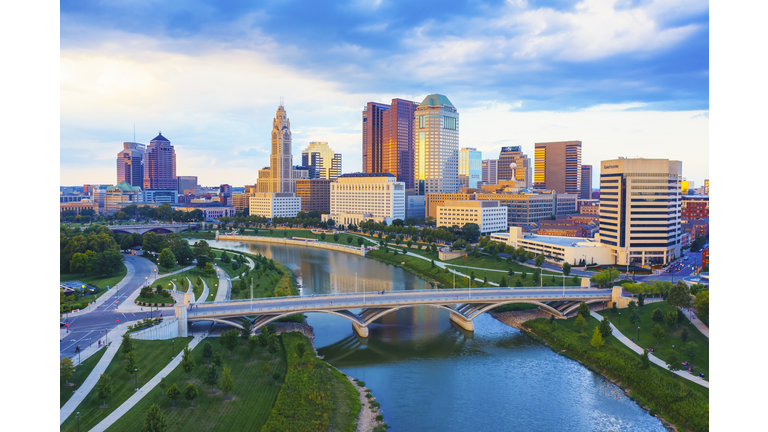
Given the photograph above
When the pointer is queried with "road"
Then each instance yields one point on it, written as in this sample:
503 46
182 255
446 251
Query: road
91 327
689 267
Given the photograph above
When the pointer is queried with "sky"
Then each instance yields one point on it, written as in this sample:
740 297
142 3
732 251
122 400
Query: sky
627 78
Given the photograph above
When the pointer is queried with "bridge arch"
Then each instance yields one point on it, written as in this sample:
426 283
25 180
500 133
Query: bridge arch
474 314
380 312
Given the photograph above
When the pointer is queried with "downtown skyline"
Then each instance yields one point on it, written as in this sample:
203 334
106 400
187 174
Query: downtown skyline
219 87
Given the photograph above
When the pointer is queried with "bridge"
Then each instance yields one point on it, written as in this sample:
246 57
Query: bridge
145 228
464 305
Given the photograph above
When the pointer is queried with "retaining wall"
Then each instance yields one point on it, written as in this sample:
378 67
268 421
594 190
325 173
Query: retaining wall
318 244
168 329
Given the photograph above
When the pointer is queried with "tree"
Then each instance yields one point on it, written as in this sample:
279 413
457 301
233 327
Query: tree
597 339
580 323
272 346
252 344
645 362
130 366
154 421
539 260
207 353
217 361
657 316
605 328
200 248
167 259
551 319
187 361
227 383
265 369
173 393
658 333
641 299
245 334
679 296
211 377
360 242
433 263
104 388
670 318
503 282
349 240
614 309
471 232
684 334
127 345
162 385
691 349
323 236
209 270
566 268
66 369
634 317
583 310
229 340
276 376
702 305
673 362
78 263
190 393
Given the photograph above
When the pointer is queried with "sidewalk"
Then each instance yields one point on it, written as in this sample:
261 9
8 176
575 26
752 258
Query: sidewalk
149 386
109 295
115 339
655 360
442 265
225 285
696 322
129 305
204 296
250 264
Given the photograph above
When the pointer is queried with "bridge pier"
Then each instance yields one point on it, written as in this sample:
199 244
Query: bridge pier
463 322
361 330
181 314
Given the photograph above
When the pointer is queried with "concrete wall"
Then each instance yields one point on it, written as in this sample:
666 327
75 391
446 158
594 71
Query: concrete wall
318 244
168 329
444 256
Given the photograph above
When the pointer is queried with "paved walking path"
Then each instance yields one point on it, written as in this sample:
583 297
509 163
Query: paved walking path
655 360
149 386
225 284
696 322
129 305
204 296
116 339
109 295
443 265
250 265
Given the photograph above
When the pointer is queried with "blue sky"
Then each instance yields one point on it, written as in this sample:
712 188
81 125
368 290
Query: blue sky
628 78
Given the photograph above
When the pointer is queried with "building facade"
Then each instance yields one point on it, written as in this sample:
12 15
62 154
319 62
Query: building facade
388 139
315 194
415 206
324 163
489 172
162 196
378 195
524 208
586 182
695 207
121 195
434 200
436 146
567 249
241 201
558 166
78 207
278 177
640 206
470 167
514 165
130 164
488 215
211 211
160 165
271 204
185 183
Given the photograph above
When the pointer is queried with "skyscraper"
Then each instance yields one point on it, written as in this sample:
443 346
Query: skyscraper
388 139
522 171
470 167
185 183
278 178
436 146
130 164
558 166
324 163
586 182
490 171
160 165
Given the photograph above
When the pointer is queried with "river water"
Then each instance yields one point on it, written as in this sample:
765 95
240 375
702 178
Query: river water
431 375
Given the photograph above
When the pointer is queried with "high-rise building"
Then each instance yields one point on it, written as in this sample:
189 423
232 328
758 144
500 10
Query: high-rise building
388 139
359 197
130 164
324 163
470 167
278 178
490 171
160 165
558 166
315 194
640 205
436 146
586 182
521 169
186 182
706 186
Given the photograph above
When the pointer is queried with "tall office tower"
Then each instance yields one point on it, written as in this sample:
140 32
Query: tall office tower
185 183
436 146
130 164
388 139
160 165
640 206
490 171
278 177
522 170
706 186
558 166
470 167
586 182
324 162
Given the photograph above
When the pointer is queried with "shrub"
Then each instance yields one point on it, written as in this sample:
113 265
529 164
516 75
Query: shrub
380 417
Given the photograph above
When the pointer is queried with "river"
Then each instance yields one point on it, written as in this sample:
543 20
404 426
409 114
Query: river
429 374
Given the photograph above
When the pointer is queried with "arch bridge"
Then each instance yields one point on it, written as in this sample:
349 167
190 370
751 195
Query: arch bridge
143 229
463 305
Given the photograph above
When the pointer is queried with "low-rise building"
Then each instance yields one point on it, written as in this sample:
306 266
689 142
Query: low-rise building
211 211
161 196
568 249
697 228
240 201
415 206
561 228
434 200
705 257
121 195
695 207
490 216
274 204
377 194
79 207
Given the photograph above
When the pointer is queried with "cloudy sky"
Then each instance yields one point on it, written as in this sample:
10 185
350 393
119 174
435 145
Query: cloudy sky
626 77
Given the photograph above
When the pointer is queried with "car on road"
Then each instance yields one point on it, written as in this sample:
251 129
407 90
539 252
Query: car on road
62 324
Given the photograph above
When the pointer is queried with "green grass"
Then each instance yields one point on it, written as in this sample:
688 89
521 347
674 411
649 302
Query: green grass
515 307
419 266
161 269
250 404
664 348
156 299
315 395
199 235
96 280
81 373
151 356
268 285
490 263
227 267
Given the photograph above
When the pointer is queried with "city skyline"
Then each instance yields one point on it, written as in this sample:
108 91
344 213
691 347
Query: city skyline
536 88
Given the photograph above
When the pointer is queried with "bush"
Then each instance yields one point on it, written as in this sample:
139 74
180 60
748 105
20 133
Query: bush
380 417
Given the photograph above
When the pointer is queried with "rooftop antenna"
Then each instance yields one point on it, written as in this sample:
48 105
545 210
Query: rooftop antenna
281 101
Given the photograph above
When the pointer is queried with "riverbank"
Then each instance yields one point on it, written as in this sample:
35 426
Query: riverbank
366 420
517 318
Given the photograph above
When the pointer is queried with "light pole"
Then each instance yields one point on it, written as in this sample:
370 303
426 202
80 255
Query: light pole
137 378
78 421
619 319
173 347
638 333
363 291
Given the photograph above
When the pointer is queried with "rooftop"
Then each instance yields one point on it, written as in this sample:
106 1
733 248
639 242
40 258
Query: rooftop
160 137
436 100
368 175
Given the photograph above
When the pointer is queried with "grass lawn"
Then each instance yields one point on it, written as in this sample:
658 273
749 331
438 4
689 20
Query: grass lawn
156 299
151 357
203 235
227 267
664 348
267 285
161 269
419 266
250 404
487 262
95 280
81 373
211 281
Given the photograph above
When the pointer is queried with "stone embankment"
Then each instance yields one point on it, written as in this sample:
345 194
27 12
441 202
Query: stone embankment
517 318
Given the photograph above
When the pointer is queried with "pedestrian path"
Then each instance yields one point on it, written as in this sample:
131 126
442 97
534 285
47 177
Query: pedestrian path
696 322
225 285
442 265
129 305
109 294
655 360
250 265
204 296
149 386
116 339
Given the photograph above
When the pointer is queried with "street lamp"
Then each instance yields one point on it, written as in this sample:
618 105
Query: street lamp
78 421
638 333
173 347
620 320
137 378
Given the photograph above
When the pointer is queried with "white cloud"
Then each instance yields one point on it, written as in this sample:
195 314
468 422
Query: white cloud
615 107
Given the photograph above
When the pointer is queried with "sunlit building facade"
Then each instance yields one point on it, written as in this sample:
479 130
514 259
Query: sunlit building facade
436 146
558 166
470 167
521 171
